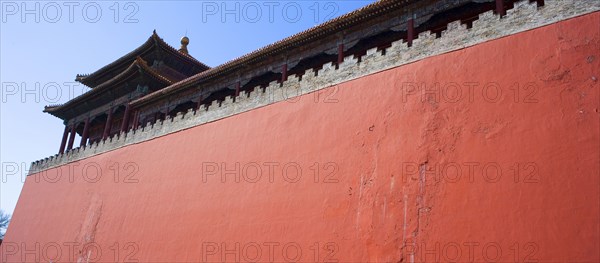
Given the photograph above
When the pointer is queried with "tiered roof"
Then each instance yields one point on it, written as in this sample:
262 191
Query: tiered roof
203 73
155 62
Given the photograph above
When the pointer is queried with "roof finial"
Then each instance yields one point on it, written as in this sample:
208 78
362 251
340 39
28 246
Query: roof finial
184 42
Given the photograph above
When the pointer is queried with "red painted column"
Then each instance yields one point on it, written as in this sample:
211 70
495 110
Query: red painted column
283 72
198 104
500 8
410 31
237 89
71 137
125 123
540 3
340 53
136 118
63 143
86 132
108 125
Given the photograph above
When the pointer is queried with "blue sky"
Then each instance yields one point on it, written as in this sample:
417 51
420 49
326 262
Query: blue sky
43 45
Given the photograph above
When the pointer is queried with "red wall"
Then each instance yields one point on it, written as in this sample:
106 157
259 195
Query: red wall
403 175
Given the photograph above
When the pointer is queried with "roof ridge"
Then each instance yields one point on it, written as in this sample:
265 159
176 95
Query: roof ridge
328 25
143 64
138 63
154 39
176 51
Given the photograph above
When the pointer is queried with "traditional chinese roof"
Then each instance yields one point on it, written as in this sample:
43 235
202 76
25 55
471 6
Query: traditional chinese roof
102 78
154 46
106 91
328 28
155 63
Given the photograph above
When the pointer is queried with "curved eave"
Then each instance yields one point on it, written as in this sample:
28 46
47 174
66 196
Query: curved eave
153 41
332 26
139 66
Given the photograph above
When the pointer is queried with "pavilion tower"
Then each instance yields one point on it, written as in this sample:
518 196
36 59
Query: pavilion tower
104 110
